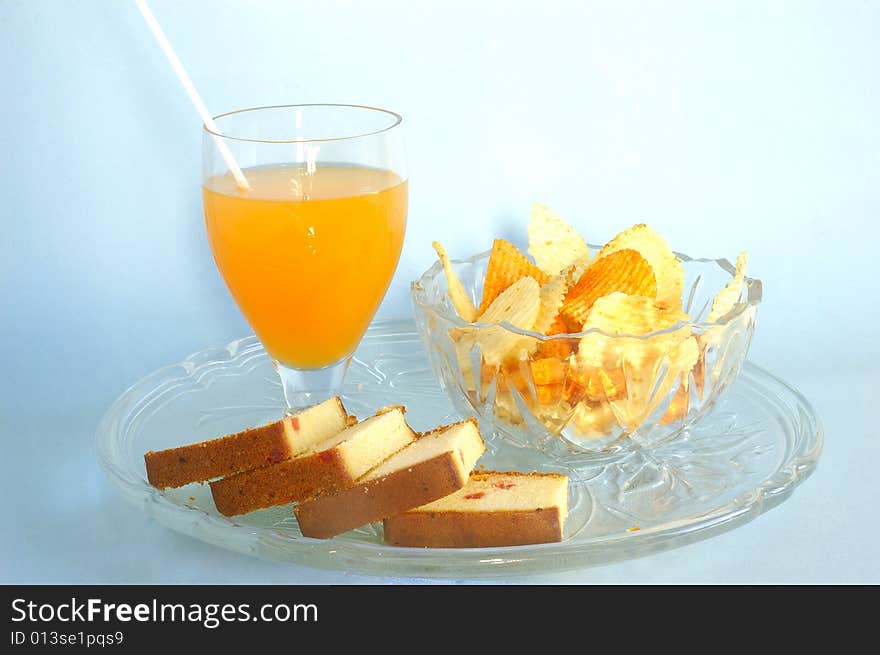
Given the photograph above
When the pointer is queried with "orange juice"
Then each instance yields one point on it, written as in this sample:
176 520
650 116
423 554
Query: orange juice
307 255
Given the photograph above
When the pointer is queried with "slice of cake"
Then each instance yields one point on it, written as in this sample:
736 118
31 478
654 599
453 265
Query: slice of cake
335 463
435 465
492 509
249 449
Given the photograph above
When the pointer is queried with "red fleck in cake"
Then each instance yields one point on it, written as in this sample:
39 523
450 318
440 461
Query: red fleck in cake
335 463
493 509
435 465
250 449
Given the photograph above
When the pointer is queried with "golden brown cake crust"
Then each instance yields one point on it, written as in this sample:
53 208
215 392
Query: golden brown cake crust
442 428
473 529
198 462
483 474
283 483
328 515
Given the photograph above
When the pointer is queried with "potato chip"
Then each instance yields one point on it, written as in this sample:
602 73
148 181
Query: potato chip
553 243
518 305
477 376
559 348
549 395
648 385
713 338
699 370
579 267
455 289
678 406
598 384
622 358
506 265
512 390
673 366
463 342
558 326
513 375
634 372
539 386
593 420
635 315
553 414
572 392
552 294
727 298
548 370
685 356
639 358
506 409
517 377
625 271
667 269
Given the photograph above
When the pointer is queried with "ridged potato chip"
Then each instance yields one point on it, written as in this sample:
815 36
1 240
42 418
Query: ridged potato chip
553 243
624 364
625 271
552 294
645 397
666 267
622 321
727 298
506 265
649 375
455 289
518 305
634 315
559 348
640 358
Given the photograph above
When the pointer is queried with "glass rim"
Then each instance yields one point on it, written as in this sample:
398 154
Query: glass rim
419 290
398 119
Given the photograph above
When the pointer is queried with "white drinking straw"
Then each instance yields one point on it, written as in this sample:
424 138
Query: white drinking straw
190 88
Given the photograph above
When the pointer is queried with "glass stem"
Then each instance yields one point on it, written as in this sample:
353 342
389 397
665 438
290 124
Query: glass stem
306 387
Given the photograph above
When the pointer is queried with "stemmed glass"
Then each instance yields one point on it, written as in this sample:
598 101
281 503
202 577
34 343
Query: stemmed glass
309 248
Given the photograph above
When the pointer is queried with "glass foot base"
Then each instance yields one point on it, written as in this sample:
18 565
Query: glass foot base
306 387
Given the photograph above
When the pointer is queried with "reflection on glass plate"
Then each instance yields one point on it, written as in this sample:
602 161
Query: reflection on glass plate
747 455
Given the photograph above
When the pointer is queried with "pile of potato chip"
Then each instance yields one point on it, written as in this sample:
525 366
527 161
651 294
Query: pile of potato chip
617 374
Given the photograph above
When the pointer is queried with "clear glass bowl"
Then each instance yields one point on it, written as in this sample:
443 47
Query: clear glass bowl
619 394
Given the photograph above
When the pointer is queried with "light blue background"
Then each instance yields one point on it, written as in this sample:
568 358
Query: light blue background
726 126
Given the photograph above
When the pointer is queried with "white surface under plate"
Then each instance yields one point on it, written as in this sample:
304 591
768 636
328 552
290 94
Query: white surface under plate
759 441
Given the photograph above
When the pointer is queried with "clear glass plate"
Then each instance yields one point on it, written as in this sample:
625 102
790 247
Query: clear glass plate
745 456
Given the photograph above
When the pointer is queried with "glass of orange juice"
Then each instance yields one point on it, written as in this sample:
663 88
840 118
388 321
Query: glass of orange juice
308 246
